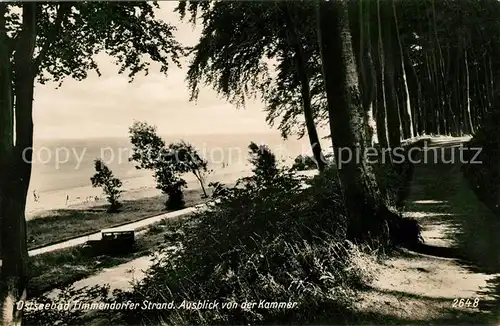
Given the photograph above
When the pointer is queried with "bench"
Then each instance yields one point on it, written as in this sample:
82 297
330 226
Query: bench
112 242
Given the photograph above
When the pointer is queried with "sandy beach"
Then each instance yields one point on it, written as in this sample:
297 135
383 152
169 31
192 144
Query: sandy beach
134 188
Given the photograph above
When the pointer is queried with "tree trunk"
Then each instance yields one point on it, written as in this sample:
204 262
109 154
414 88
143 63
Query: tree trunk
359 18
467 94
308 112
414 93
379 107
15 182
363 200
305 90
391 101
405 97
6 110
199 176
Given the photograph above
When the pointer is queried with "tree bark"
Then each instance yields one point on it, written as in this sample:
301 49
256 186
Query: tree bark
467 94
305 90
6 110
362 197
410 124
359 18
379 107
391 100
308 114
16 179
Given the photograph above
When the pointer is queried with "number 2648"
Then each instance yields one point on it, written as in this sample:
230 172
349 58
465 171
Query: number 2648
468 303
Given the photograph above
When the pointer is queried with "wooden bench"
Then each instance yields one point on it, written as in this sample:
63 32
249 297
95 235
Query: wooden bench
112 242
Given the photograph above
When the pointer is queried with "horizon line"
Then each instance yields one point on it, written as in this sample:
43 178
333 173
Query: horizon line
276 133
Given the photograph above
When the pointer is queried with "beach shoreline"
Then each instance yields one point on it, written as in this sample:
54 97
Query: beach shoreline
87 197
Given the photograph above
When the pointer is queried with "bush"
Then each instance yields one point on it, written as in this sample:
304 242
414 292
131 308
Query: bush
266 239
484 178
168 163
304 163
111 186
175 198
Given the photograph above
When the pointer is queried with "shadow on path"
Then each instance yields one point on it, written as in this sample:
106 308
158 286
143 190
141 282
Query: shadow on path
460 258
444 204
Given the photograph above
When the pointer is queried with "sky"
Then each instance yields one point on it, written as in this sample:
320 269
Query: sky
106 106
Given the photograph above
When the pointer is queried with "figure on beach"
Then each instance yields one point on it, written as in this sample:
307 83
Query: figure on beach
36 197
67 199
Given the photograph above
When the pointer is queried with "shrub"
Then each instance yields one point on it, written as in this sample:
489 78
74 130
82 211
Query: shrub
176 196
62 310
167 162
111 186
266 239
484 178
171 184
303 163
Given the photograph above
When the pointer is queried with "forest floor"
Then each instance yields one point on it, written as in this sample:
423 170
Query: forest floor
461 260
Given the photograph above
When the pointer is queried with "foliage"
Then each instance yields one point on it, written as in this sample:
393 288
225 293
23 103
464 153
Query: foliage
51 41
303 163
167 162
110 184
148 146
70 33
266 239
171 184
447 51
238 41
484 177
60 314
265 165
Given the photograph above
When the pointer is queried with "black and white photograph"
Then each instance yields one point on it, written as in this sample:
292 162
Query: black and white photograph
251 162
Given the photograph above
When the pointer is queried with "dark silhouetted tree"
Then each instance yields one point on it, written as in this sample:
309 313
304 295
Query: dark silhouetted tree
238 41
167 162
110 185
366 208
48 41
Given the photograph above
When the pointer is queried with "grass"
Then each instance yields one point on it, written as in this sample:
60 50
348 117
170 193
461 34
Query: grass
270 239
64 224
62 268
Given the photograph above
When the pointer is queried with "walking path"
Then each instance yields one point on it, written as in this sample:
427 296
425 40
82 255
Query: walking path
416 288
136 226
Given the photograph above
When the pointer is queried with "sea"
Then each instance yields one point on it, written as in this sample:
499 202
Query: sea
62 168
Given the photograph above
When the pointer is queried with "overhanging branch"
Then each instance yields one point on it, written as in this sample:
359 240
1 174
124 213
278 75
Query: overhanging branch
53 34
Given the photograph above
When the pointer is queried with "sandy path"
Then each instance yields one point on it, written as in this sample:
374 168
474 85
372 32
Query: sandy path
136 226
420 289
120 277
